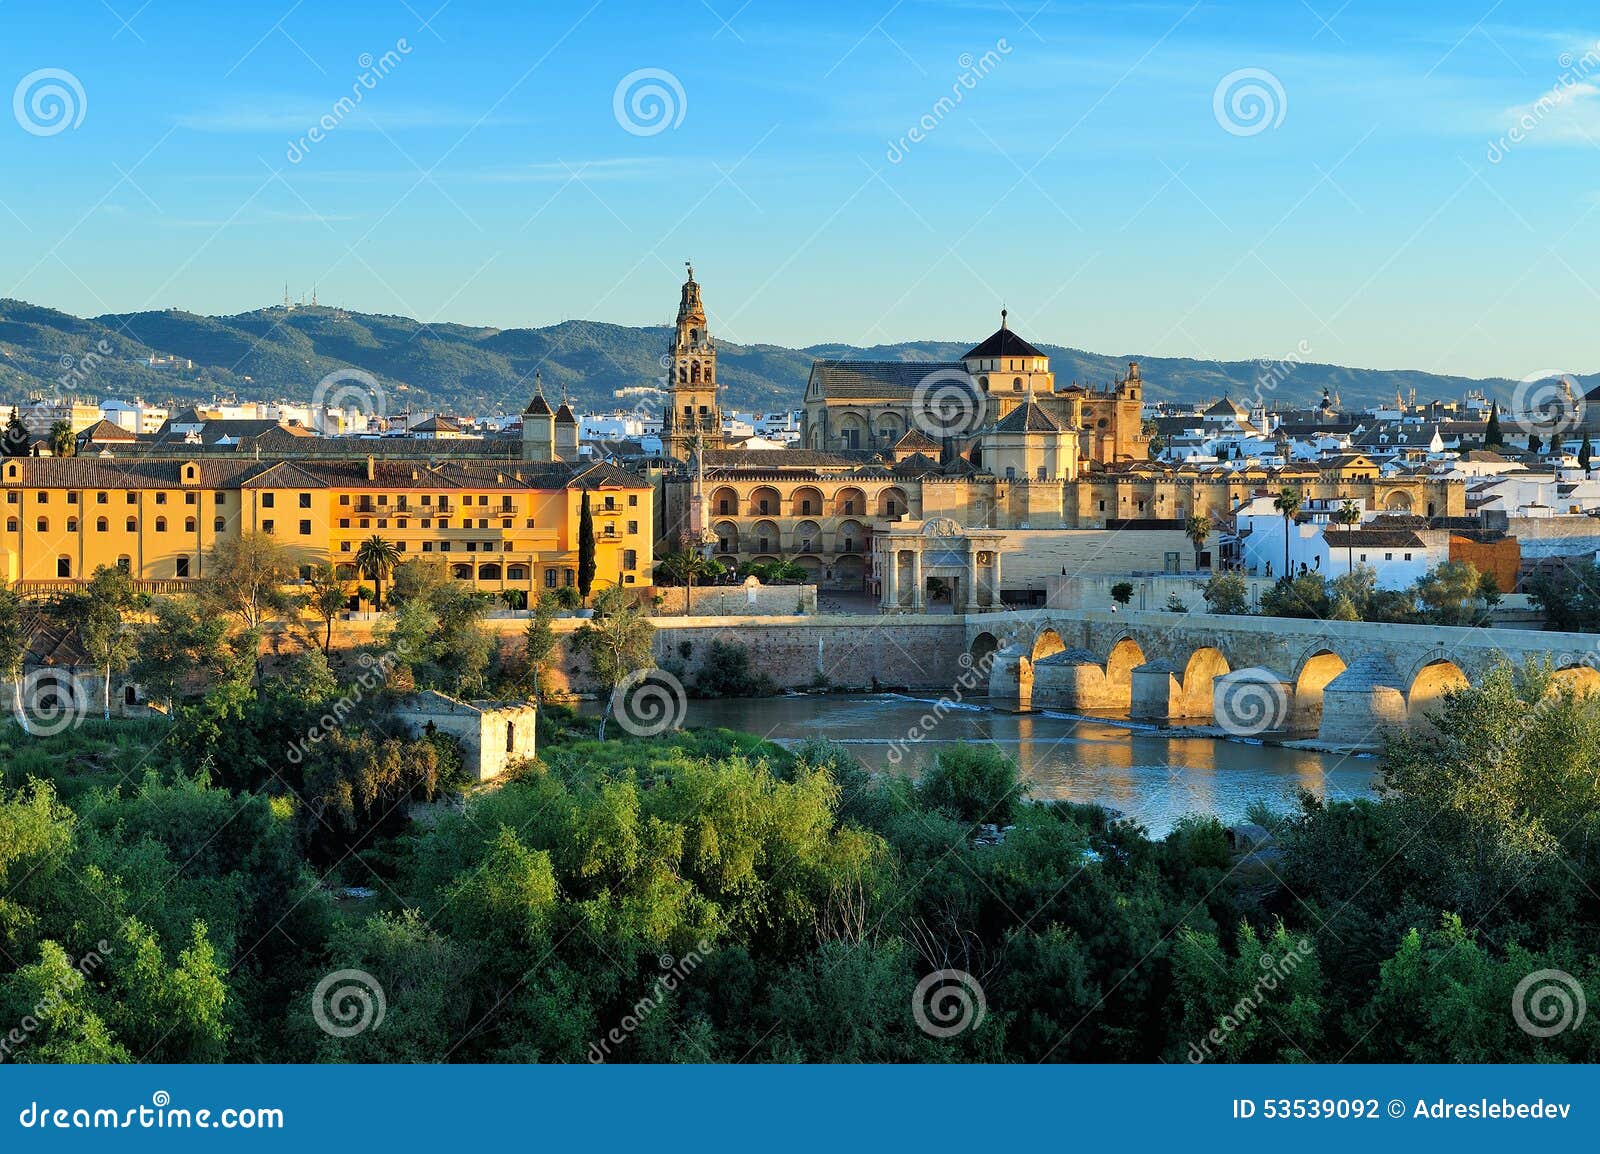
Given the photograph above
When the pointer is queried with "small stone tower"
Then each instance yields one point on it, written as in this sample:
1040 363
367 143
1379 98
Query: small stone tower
692 420
566 431
538 426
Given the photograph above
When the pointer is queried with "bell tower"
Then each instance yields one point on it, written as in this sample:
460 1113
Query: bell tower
693 419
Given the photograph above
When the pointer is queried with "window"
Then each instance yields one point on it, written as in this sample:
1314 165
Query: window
44 524
161 498
183 566
1388 556
11 497
511 737
125 563
219 524
133 524
427 546
344 522
1408 556
101 524
63 566
482 523
305 528
133 497
101 498
130 695
222 499
305 500
11 524
633 500
188 498
344 546
43 498
530 523
72 527
267 500
630 559
549 578
161 524
444 546
189 525
266 526
633 526
72 497
344 498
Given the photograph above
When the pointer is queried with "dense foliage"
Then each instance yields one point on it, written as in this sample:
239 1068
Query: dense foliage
706 896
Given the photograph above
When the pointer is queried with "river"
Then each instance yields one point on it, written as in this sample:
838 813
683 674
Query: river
1151 775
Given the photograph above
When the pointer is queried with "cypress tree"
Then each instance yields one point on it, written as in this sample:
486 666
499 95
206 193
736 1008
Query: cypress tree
1492 437
585 549
1585 451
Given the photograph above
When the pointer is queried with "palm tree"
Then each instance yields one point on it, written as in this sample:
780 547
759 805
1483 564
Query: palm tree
1348 515
1198 529
1287 502
685 565
61 440
376 558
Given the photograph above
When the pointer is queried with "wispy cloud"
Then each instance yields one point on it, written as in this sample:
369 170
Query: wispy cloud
293 119
1567 114
608 169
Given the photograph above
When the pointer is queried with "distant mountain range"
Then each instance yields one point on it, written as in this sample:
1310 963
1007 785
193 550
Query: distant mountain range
277 353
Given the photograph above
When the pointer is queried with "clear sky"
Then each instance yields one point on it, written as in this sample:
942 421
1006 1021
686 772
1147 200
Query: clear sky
1077 161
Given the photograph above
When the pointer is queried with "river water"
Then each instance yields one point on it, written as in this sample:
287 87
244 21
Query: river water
1151 775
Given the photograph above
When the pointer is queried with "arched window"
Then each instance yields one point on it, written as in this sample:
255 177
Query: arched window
220 524
44 524
63 566
101 524
72 524
125 563
11 524
188 524
133 524
511 737
161 524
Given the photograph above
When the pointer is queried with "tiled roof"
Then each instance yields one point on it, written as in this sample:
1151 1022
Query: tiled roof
1003 343
885 380
1028 417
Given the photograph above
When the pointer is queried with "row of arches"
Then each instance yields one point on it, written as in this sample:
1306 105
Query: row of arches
1043 672
848 536
809 501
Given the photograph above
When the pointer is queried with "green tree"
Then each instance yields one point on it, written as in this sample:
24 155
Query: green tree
586 557
377 557
1227 594
1451 593
16 629
1348 515
539 639
1492 437
185 645
1122 592
99 612
1288 503
327 600
1568 596
618 640
15 441
1535 443
245 576
1197 530
1585 453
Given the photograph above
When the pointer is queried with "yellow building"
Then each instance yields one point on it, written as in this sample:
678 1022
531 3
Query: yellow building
507 526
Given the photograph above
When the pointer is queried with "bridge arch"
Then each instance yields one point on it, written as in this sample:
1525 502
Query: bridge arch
1579 679
1047 642
1205 665
1125 656
982 650
1315 672
1429 686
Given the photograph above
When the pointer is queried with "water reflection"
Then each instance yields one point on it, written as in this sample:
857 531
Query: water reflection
1153 776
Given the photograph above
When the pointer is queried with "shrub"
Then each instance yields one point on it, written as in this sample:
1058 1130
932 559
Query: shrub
972 783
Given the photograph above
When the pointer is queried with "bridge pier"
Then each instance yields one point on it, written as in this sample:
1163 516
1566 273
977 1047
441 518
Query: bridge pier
1011 677
1073 680
1360 704
1157 693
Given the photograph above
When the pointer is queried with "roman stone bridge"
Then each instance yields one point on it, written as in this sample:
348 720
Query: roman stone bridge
1347 681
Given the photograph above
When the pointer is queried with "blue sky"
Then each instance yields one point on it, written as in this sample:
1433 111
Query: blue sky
1091 175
